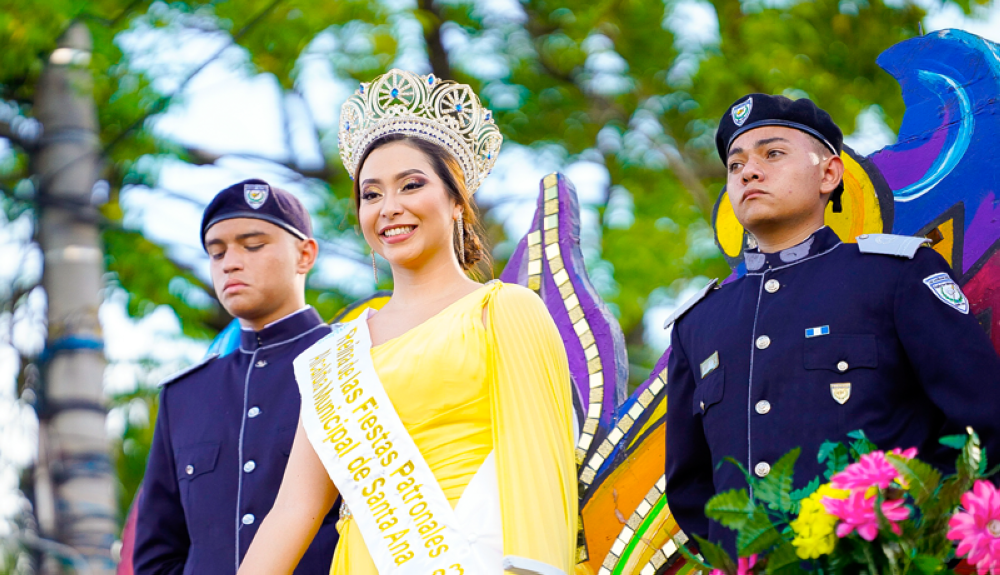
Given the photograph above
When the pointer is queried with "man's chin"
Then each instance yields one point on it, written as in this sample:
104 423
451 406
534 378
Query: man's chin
241 307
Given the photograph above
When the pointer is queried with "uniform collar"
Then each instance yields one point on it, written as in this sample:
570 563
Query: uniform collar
279 331
820 241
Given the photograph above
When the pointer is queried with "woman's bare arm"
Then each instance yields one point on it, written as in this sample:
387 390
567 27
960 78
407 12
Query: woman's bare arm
305 497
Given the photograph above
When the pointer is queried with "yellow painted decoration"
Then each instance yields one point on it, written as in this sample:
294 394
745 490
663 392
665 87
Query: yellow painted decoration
727 228
862 213
658 415
946 247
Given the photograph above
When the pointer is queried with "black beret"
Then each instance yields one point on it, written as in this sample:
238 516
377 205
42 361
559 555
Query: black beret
256 199
759 110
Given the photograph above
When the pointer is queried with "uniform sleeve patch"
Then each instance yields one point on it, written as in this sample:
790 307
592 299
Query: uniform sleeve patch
947 291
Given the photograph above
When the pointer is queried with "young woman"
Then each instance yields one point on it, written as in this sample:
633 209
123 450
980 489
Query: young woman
444 419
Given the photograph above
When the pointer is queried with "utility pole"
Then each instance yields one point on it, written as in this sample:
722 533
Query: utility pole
74 487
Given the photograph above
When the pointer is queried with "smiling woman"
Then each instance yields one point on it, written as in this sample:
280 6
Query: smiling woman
443 420
434 167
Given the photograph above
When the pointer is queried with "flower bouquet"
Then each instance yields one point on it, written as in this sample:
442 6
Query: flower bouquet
877 513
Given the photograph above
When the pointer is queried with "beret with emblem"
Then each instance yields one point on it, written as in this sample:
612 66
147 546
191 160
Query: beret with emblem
759 110
256 199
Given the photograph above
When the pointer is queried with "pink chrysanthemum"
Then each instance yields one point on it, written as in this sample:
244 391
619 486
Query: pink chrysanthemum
743 566
873 469
977 529
857 512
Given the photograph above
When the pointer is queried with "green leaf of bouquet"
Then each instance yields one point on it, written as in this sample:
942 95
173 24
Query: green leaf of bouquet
953 441
757 535
807 490
828 447
695 560
837 460
922 479
743 470
799 494
776 488
716 556
946 499
857 434
731 508
784 561
926 564
862 447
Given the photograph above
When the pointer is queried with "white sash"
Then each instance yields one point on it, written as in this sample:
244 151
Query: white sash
404 517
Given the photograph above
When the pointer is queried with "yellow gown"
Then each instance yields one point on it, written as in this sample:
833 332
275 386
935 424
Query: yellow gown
463 389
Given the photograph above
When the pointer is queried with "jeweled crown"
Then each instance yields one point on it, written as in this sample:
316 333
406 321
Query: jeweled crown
440 111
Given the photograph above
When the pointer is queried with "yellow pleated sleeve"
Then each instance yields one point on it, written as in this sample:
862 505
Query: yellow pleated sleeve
531 405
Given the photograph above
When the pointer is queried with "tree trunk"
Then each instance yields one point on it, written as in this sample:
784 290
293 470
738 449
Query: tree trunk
74 486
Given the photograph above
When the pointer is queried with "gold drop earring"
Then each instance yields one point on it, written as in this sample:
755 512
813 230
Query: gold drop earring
461 239
374 268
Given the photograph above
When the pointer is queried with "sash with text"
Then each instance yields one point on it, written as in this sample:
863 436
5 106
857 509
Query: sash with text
404 517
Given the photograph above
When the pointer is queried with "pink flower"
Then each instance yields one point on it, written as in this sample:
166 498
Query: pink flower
873 469
977 529
858 512
743 567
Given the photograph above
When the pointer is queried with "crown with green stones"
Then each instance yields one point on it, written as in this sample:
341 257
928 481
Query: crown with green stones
440 111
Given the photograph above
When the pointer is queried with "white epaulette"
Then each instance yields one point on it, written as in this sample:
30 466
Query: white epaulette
690 303
191 369
890 245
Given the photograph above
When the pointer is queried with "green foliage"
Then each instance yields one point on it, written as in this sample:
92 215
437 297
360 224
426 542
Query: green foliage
921 479
716 556
131 450
835 455
775 490
766 527
784 561
734 509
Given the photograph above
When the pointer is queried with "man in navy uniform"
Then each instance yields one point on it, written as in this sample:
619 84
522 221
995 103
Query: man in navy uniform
225 426
820 337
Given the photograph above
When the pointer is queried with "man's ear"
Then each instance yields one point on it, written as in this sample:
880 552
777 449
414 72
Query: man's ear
833 174
308 251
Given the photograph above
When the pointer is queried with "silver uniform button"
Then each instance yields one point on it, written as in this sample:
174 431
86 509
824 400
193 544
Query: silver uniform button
763 406
261 363
772 286
763 341
702 405
253 412
762 469
189 470
842 365
249 466
248 519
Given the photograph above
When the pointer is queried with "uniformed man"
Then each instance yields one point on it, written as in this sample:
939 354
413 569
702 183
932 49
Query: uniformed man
820 337
225 426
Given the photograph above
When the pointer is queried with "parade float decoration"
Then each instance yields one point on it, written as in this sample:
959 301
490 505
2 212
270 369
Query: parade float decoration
938 180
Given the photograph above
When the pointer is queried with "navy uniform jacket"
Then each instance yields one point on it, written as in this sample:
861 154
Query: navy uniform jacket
884 353
220 447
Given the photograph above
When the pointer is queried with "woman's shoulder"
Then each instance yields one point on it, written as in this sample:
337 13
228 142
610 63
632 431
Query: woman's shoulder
510 294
